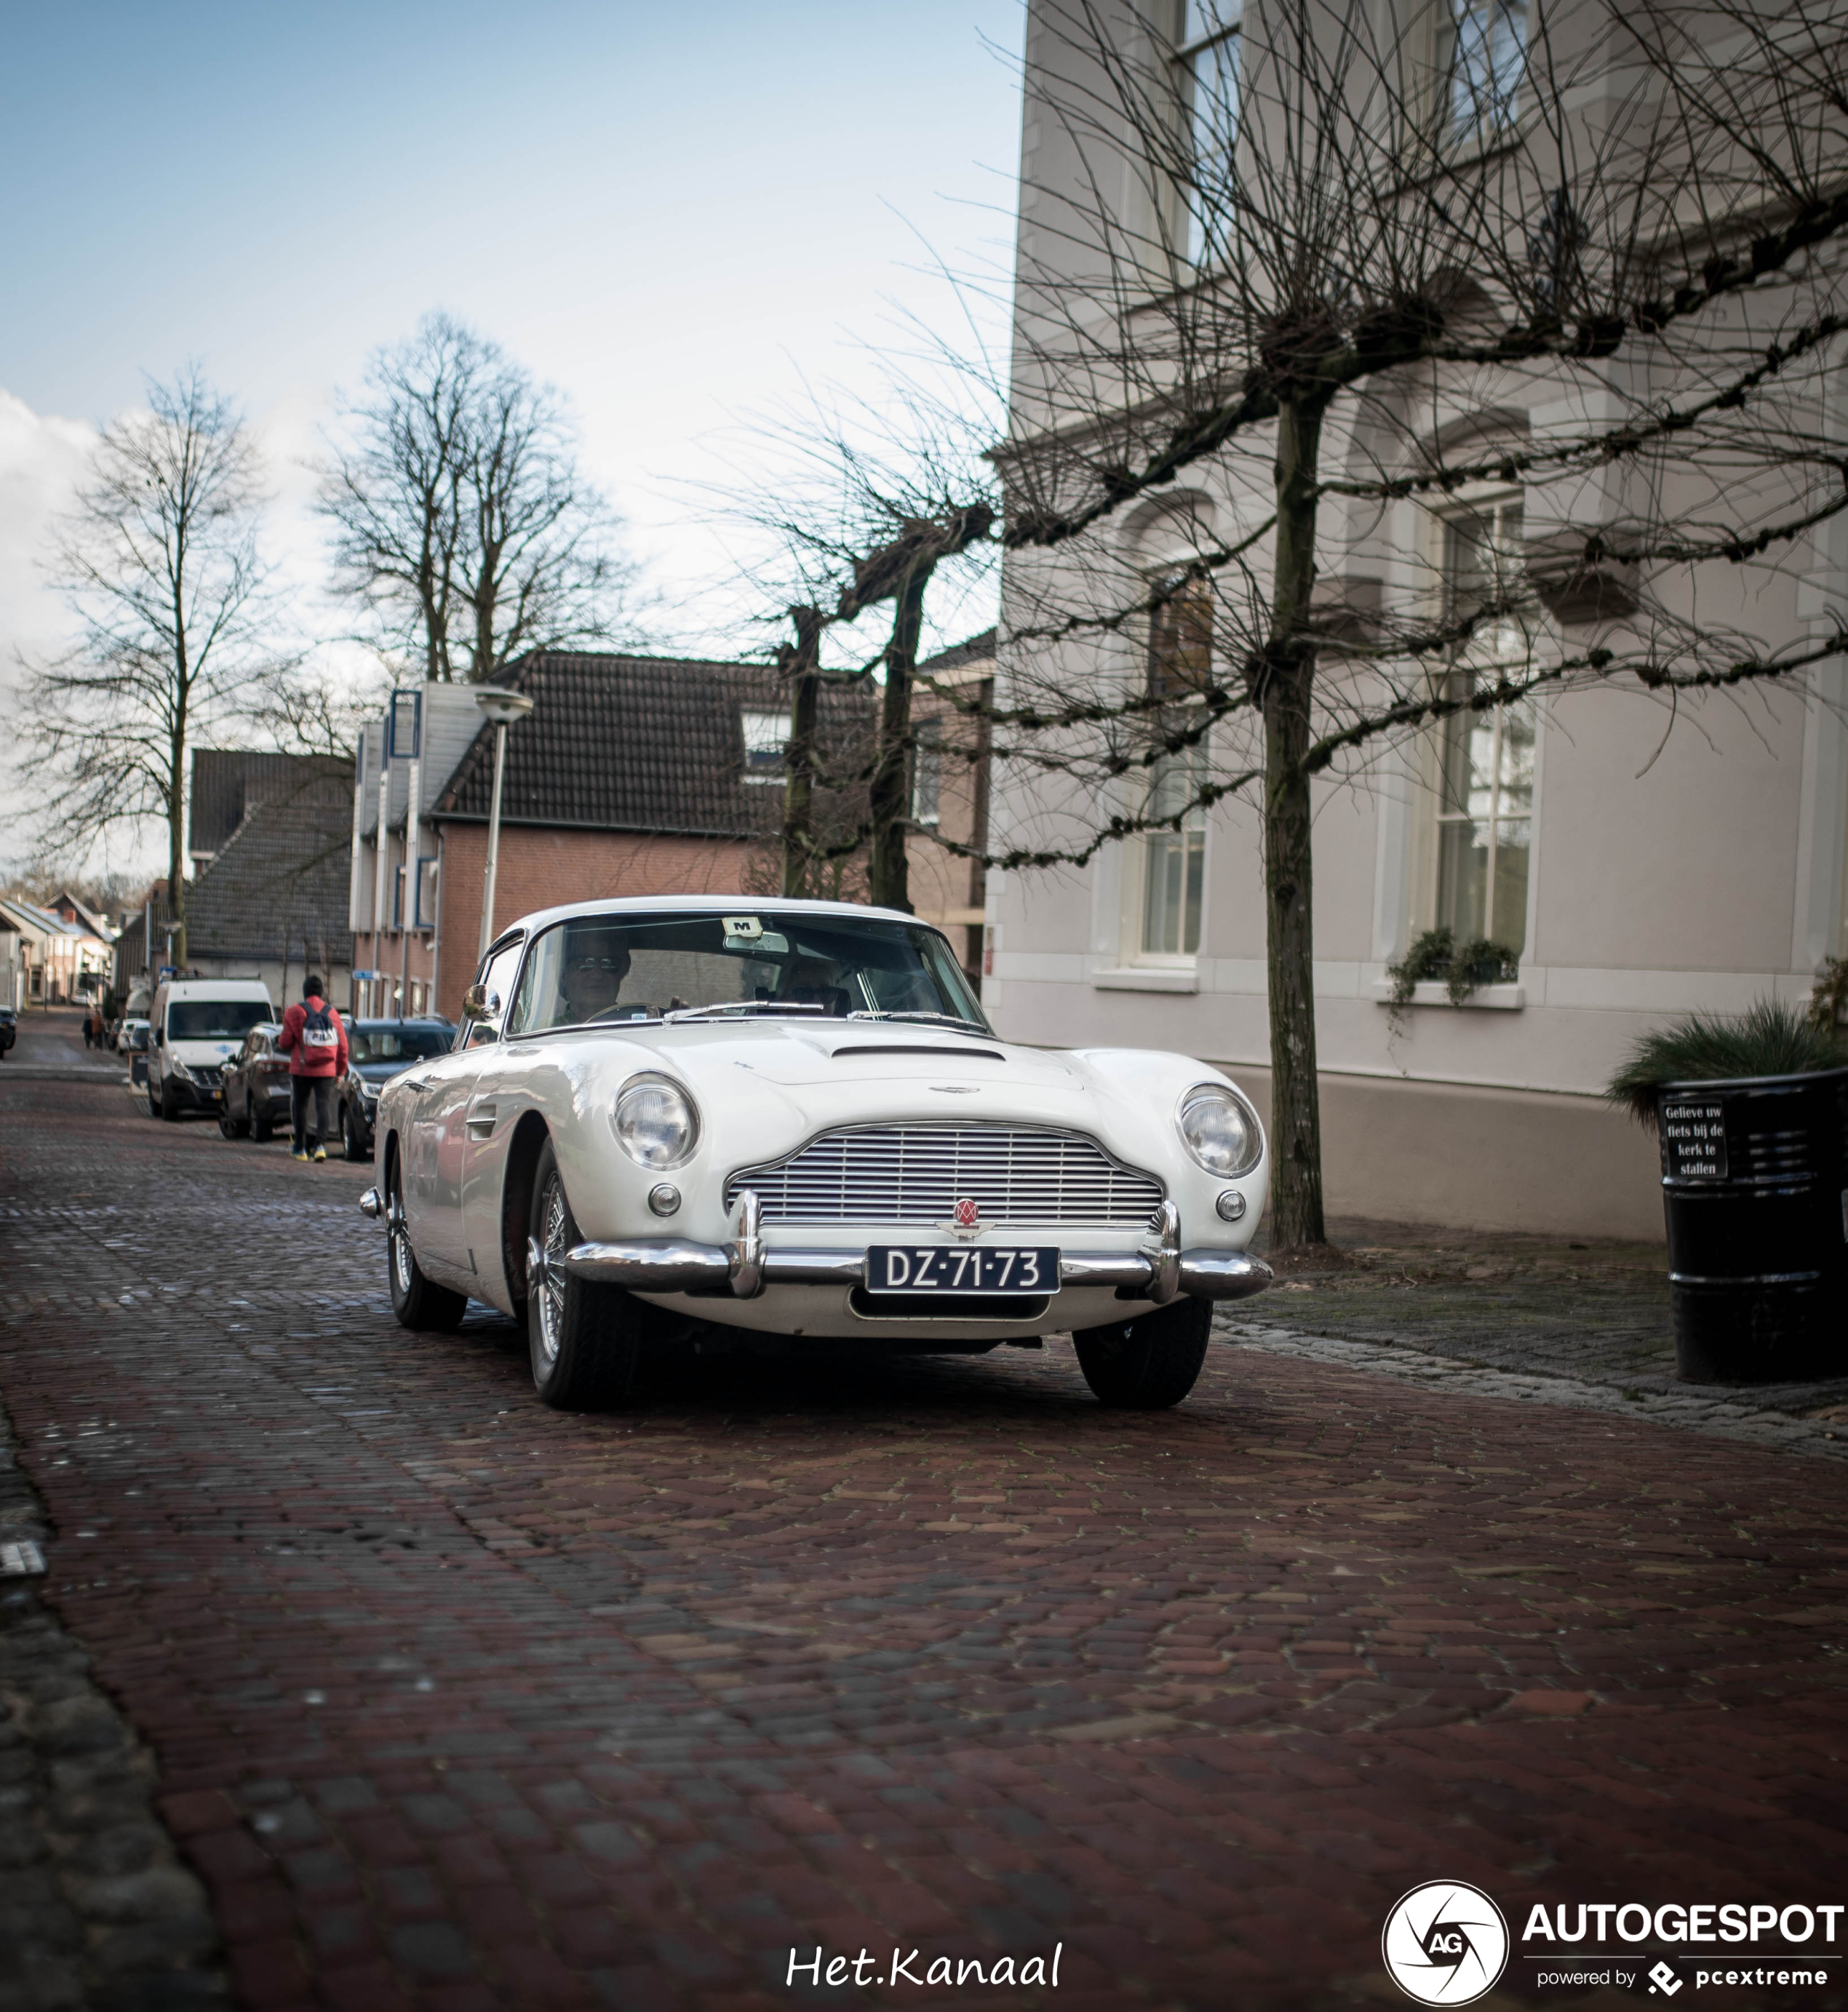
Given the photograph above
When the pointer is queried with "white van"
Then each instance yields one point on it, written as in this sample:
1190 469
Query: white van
197 1024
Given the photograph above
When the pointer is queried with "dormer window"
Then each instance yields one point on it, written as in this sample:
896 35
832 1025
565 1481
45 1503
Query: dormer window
766 746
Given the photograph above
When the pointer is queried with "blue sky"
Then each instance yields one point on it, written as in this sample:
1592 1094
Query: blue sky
676 213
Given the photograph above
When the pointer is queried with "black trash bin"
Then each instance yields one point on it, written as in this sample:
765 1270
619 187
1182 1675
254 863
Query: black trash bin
1755 1188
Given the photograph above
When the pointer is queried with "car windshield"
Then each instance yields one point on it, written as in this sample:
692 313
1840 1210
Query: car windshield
642 967
214 1019
395 1043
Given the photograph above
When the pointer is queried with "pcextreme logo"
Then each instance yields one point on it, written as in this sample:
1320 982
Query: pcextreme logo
1445 1943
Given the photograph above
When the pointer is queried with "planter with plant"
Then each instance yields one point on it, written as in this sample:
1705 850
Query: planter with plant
1461 969
1752 1115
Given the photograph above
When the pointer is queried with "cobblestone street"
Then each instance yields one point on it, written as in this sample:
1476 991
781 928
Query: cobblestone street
452 1702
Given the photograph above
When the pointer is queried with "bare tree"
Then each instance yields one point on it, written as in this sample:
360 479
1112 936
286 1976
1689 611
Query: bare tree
851 531
1301 288
159 564
1301 273
462 528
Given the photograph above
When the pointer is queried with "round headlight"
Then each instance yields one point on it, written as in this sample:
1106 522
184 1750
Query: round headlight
1220 1130
656 1121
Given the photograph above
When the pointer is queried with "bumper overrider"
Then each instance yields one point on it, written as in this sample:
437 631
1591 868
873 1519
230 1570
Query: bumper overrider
1157 1269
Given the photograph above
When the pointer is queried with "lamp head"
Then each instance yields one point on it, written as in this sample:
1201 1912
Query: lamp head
503 707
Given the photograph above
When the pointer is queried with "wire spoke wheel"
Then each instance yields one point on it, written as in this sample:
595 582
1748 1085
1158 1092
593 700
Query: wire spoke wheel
553 1236
416 1301
581 1335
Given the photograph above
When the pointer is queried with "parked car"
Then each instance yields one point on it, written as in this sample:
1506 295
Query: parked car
255 1086
126 1033
376 1051
791 1119
197 1024
9 1029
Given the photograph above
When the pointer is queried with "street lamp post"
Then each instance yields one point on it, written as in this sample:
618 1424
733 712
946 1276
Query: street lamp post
503 708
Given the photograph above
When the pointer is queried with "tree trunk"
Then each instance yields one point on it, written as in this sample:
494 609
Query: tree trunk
801 664
1288 675
887 805
177 846
798 796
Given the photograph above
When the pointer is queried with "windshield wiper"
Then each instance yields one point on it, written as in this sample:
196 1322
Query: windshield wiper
936 1019
743 1006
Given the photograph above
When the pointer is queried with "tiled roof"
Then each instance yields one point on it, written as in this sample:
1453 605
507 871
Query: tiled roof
635 744
45 922
281 878
977 650
226 782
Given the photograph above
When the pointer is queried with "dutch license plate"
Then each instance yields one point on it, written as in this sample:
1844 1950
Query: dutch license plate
937 1268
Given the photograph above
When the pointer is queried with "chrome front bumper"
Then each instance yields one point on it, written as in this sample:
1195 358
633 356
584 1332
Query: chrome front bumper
1157 1270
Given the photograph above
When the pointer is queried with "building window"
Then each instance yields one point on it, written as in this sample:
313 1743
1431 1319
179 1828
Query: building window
927 772
1174 862
766 745
1481 64
1206 65
1180 667
1486 757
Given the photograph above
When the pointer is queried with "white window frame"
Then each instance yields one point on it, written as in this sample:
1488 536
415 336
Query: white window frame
1226 29
927 760
1493 117
766 738
1429 892
1140 851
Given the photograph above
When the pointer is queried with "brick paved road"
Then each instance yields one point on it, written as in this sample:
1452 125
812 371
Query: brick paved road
459 1703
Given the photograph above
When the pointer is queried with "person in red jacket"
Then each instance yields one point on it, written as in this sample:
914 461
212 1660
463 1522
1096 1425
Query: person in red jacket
315 1044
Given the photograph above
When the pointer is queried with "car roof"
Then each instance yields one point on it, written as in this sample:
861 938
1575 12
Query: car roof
710 904
215 988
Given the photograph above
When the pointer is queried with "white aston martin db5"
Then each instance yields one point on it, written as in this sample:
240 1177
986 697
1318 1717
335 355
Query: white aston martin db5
665 1119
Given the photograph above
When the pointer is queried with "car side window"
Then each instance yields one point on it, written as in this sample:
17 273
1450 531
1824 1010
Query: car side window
497 981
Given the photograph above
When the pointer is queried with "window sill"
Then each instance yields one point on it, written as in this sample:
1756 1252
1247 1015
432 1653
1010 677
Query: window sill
1147 977
1491 998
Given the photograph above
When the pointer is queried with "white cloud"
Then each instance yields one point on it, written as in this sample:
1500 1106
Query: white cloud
41 458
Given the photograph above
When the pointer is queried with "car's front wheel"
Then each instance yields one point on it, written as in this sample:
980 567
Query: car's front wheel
230 1127
582 1336
416 1302
356 1147
1148 1364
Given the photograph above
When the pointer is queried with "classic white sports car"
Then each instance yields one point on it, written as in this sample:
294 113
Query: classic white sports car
671 1117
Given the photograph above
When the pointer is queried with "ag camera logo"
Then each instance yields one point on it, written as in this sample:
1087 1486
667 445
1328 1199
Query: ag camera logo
1445 1943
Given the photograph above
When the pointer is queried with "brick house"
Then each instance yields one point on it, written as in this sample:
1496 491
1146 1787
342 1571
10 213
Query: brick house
949 769
631 776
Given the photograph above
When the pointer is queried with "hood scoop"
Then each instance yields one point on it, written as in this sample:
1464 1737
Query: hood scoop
918 1048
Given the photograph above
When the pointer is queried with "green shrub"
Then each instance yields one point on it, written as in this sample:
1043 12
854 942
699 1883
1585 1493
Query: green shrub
1770 1038
1463 969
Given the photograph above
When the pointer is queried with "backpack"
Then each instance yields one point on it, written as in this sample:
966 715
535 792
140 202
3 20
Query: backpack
319 1035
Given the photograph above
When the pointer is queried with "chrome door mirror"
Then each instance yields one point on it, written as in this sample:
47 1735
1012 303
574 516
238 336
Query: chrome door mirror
480 1004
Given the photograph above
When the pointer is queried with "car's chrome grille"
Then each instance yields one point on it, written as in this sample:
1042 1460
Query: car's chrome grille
918 1173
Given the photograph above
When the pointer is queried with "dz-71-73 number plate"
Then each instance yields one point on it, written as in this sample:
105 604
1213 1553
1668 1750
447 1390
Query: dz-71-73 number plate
962 1268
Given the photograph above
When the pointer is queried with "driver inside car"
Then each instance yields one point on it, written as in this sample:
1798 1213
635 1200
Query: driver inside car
811 981
595 966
